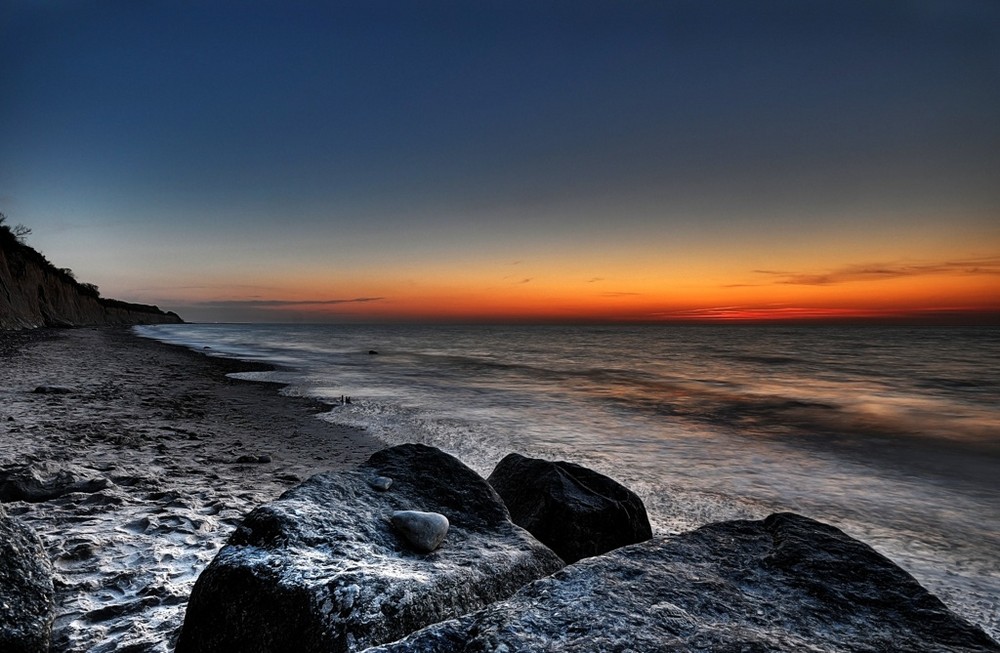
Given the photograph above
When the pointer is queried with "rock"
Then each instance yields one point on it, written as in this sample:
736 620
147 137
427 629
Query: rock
322 568
424 530
36 484
576 512
372 352
253 459
52 390
785 583
381 483
26 592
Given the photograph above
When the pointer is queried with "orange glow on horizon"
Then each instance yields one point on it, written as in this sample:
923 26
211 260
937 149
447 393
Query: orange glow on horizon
937 297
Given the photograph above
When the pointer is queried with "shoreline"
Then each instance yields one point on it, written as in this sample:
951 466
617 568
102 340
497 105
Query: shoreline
160 455
153 434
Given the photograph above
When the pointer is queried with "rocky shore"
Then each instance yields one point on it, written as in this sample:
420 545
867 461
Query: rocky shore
150 503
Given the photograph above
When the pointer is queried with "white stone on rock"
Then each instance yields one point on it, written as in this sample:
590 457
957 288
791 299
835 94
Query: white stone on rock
423 530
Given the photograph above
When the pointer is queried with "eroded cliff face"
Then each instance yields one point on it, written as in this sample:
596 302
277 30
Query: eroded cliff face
33 293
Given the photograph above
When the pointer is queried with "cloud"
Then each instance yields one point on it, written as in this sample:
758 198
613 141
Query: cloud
207 286
595 279
882 271
282 303
786 312
620 294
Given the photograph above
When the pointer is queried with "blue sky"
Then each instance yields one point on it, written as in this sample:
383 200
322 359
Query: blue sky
159 145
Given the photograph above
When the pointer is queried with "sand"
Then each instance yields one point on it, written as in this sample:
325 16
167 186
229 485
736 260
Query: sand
152 436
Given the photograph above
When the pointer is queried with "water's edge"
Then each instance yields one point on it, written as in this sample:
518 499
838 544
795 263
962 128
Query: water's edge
927 505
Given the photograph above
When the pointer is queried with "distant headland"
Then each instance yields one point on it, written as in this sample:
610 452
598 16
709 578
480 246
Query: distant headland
35 293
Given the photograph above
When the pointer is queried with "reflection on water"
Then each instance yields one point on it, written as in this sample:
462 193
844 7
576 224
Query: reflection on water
891 433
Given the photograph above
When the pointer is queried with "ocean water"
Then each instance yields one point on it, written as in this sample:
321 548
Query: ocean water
892 434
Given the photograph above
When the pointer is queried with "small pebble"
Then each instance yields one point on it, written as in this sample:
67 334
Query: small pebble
381 483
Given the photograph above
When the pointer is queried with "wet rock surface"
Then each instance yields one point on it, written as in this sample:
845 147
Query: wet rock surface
573 510
322 568
26 593
785 583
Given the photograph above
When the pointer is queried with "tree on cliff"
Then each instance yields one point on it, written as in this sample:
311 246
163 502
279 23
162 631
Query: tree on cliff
18 231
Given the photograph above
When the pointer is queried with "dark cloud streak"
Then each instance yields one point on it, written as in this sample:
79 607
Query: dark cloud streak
882 271
283 303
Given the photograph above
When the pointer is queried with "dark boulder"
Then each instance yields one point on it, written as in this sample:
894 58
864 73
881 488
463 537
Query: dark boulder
26 594
576 512
323 569
785 583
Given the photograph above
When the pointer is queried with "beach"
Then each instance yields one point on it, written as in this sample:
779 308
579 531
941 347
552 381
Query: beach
160 456
135 459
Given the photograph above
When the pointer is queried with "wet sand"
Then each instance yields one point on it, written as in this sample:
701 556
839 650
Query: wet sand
167 453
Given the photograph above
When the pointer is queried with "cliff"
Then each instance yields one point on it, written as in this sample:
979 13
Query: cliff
35 293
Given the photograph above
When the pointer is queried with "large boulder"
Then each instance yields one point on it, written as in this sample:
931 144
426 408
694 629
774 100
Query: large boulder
785 583
323 568
575 511
26 593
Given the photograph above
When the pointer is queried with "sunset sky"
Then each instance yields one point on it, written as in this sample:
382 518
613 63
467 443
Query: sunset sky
465 160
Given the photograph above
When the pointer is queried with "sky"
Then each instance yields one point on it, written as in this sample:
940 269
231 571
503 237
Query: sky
494 161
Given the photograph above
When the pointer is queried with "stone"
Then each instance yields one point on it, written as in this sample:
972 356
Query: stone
253 459
425 531
52 390
380 483
784 583
575 511
322 568
40 482
26 592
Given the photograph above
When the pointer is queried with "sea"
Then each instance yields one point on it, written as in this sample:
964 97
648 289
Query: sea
892 434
